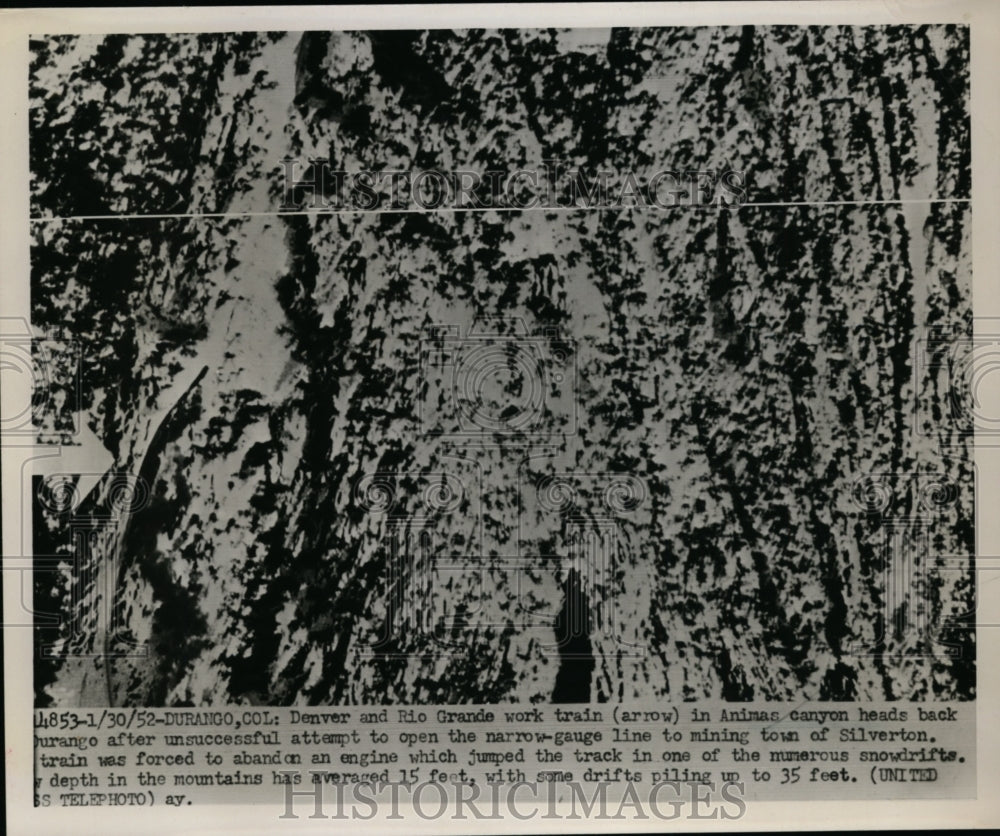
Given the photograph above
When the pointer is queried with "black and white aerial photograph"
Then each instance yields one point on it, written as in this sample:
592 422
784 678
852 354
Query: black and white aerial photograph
487 366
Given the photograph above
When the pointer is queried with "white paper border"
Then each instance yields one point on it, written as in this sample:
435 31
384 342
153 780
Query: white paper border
983 16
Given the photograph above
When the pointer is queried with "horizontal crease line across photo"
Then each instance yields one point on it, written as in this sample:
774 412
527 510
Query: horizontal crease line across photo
458 209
